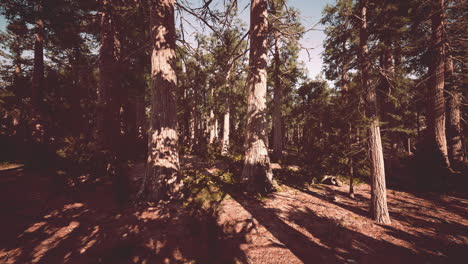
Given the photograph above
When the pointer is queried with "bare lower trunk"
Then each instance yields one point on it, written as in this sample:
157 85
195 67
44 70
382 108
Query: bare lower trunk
436 117
163 179
454 134
225 143
350 160
226 120
215 128
257 173
140 119
192 131
211 128
378 205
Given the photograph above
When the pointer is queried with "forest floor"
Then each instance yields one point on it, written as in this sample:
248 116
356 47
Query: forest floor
42 223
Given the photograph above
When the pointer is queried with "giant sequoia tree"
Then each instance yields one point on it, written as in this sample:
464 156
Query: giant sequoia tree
257 172
163 179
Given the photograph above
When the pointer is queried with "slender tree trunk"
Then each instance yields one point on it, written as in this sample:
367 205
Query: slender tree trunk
346 96
37 156
409 145
226 120
163 179
211 121
257 173
278 98
215 128
140 120
386 105
378 206
77 113
436 117
38 70
225 143
106 78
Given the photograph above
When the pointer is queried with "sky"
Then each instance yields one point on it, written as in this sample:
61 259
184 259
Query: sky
311 12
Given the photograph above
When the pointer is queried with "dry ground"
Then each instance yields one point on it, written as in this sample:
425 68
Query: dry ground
41 223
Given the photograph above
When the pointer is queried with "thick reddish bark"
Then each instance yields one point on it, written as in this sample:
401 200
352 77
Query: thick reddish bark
257 173
378 206
436 109
163 179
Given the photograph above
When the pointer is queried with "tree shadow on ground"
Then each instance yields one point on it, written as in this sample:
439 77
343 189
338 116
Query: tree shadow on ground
426 241
86 225
299 244
350 244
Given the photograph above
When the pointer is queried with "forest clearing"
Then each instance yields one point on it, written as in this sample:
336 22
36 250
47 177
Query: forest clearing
233 131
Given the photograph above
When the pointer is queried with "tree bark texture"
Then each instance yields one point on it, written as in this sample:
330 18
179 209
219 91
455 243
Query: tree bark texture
257 173
436 115
454 133
378 207
163 179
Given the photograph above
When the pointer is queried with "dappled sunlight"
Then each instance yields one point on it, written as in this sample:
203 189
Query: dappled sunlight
52 242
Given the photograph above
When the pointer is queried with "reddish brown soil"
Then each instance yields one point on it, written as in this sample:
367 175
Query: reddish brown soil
41 223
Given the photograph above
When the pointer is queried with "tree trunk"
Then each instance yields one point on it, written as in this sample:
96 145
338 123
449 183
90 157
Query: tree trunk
76 94
215 128
140 120
226 120
386 104
346 95
111 141
454 135
38 70
436 115
278 98
378 205
106 79
37 156
211 121
225 143
163 179
257 173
